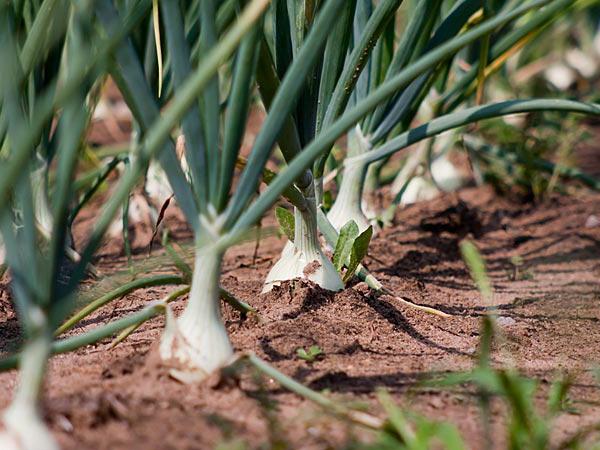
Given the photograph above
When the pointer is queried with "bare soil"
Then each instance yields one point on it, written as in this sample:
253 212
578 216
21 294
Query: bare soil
102 398
549 312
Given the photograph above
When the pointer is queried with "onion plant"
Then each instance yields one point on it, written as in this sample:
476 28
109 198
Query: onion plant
327 69
441 47
429 29
403 78
358 58
53 55
220 211
197 343
44 71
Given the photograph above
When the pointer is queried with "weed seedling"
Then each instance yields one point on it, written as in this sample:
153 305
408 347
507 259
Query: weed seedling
311 355
518 271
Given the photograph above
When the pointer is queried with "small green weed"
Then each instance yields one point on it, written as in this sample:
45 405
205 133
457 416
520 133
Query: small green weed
311 355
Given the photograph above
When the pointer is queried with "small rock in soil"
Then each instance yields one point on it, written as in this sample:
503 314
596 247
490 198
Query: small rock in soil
592 221
504 321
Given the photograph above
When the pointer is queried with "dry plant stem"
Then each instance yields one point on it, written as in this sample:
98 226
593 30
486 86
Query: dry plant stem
357 417
427 309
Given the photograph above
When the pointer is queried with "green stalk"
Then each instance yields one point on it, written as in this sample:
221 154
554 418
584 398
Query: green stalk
328 136
333 60
195 148
158 280
282 38
160 131
268 86
357 417
471 115
71 131
37 42
91 337
282 106
237 112
209 100
384 12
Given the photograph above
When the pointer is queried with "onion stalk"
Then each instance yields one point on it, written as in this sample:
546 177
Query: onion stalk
349 202
441 176
303 258
24 428
196 343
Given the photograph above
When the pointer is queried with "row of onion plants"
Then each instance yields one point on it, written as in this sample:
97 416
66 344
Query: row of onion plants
188 71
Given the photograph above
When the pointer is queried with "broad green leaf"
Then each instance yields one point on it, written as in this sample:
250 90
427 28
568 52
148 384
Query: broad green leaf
286 222
359 251
345 243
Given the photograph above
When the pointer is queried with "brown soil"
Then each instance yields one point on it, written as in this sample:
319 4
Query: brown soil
102 398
